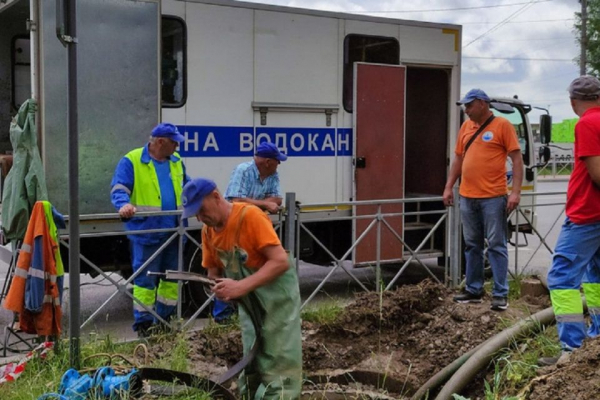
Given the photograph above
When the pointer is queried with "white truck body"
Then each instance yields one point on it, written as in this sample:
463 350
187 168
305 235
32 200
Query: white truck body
230 75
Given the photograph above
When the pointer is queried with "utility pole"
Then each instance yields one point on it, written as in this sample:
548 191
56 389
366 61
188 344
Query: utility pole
583 40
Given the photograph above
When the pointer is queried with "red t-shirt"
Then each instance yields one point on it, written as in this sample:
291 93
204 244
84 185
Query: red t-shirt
583 196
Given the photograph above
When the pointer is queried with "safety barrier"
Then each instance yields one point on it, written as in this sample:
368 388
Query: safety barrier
541 236
376 221
296 219
102 225
557 167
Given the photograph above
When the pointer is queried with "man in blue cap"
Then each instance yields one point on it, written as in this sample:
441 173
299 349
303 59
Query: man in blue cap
242 252
255 182
484 142
151 178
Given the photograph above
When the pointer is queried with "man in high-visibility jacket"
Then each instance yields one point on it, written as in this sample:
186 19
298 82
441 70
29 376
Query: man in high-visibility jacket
151 178
577 254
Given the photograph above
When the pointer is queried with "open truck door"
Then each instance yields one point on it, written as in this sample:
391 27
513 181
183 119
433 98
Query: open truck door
118 46
379 105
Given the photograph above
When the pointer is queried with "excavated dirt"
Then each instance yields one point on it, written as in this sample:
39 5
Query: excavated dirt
403 336
578 378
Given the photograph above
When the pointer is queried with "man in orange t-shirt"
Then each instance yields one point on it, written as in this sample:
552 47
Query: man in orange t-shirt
242 252
484 203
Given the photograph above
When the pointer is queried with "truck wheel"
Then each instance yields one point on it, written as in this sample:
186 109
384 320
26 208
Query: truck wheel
195 293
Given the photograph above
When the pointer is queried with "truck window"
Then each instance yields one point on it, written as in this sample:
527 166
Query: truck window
21 70
516 119
173 62
363 48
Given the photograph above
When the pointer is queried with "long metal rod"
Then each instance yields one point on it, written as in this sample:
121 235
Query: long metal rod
73 151
378 252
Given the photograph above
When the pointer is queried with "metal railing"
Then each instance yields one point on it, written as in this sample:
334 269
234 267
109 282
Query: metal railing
377 221
558 166
103 225
541 237
295 220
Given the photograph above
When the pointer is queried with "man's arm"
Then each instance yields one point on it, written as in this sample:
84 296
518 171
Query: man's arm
517 167
121 188
276 265
455 171
270 204
593 166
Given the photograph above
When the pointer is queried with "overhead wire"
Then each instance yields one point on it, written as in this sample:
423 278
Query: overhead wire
515 22
503 22
522 59
448 9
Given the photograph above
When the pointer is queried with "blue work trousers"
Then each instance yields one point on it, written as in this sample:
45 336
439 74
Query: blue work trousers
485 219
165 260
576 261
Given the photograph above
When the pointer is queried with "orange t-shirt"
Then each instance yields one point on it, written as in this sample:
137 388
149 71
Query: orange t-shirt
483 172
256 233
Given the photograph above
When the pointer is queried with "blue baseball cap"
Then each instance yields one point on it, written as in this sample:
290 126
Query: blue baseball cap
473 94
193 193
269 150
167 130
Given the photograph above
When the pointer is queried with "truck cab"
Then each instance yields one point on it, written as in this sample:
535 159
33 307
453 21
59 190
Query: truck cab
516 111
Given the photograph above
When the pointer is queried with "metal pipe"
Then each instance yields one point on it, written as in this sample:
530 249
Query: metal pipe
73 156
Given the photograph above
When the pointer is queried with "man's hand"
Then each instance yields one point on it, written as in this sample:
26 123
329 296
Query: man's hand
272 208
229 289
448 197
127 211
513 201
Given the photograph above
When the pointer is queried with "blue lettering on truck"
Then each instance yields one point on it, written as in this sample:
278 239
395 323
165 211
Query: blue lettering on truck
236 141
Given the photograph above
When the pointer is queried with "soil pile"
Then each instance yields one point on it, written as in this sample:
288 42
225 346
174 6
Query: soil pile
402 336
576 379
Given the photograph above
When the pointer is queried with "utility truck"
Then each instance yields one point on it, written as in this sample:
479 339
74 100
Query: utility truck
363 106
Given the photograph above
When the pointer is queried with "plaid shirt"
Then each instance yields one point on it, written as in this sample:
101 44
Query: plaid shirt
245 182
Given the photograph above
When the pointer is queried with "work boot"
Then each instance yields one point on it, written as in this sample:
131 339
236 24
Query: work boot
144 330
560 360
499 303
467 297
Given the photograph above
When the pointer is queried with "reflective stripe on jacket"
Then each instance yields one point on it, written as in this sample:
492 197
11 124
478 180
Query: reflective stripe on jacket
36 289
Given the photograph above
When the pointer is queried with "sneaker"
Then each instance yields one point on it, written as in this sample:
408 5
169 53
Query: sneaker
468 297
548 361
499 303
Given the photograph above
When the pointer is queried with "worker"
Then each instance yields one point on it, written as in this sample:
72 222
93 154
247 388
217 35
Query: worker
255 182
576 257
243 253
151 178
483 144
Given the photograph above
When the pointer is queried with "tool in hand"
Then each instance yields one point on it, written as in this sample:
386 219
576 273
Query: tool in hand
184 276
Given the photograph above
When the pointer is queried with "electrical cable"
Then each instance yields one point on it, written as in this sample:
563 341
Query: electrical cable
452 9
501 24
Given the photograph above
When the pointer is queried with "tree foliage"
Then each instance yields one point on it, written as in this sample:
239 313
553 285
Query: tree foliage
593 36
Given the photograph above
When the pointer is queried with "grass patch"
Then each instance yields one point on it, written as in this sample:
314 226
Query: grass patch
324 313
214 329
44 375
517 365
514 287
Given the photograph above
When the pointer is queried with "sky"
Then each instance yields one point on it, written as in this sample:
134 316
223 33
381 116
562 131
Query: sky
497 36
